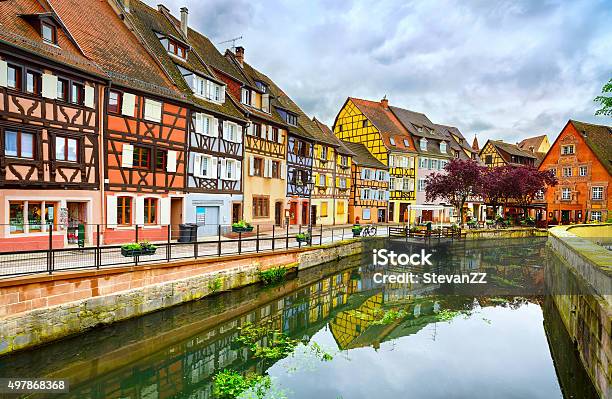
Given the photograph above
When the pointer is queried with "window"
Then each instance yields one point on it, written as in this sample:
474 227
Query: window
114 102
161 159
488 159
33 82
49 33
340 208
567 149
208 89
366 214
261 206
230 170
324 209
203 125
435 164
231 132
392 140
258 167
14 77
567 172
596 216
141 158
443 147
421 185
150 210
582 171
62 90
566 194
35 216
276 169
423 144
66 149
364 123
406 185
291 119
367 174
275 134
340 128
322 180
553 171
203 166
406 143
597 193
324 153
343 182
77 94
246 96
18 144
422 163
124 211
343 160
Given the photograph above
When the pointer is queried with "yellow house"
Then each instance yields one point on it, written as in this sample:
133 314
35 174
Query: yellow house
375 126
331 170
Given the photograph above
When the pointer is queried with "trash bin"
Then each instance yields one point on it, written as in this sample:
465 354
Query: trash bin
188 232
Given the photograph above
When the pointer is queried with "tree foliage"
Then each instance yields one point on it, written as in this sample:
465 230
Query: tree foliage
605 100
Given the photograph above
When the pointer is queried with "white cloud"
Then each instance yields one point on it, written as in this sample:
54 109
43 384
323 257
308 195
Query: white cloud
504 69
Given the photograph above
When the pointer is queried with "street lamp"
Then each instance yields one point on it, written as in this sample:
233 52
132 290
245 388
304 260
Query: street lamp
310 186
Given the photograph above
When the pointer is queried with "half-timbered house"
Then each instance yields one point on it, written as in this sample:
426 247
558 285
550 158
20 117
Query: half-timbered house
215 124
332 177
49 131
145 122
497 153
375 126
369 188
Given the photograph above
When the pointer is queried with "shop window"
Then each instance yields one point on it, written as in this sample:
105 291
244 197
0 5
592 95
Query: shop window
16 217
261 206
35 217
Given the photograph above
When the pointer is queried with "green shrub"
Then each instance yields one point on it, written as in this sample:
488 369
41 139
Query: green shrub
228 384
301 236
241 224
273 275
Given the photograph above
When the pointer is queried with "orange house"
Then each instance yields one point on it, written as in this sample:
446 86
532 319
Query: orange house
581 158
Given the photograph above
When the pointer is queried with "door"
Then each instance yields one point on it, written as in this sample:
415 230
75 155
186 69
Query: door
176 216
313 214
236 212
403 213
278 213
76 215
381 215
293 213
305 213
565 217
207 219
391 206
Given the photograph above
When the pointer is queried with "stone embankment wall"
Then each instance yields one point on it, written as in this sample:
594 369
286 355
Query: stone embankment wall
42 308
580 279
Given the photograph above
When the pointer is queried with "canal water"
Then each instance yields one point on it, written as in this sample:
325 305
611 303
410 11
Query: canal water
334 332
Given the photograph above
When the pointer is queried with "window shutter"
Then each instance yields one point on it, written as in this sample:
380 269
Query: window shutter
265 102
283 170
89 95
363 174
152 110
238 171
171 162
199 123
214 127
164 211
224 133
139 210
49 86
197 165
280 136
213 169
111 211
337 182
250 129
252 97
251 165
3 73
222 99
128 104
411 185
127 155
239 133
270 133
223 166
266 168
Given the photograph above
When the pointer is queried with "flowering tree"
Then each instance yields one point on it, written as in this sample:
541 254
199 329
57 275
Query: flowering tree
497 185
527 183
461 180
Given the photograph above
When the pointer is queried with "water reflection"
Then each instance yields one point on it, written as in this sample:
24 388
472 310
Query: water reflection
388 341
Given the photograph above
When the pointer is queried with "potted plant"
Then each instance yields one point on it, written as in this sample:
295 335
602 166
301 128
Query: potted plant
356 230
301 237
138 249
490 222
242 227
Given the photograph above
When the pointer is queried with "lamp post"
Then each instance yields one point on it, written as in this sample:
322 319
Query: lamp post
310 185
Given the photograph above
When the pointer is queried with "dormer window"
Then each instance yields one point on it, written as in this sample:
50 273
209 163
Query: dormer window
207 89
423 144
48 33
443 147
406 143
246 96
175 48
392 140
291 119
262 87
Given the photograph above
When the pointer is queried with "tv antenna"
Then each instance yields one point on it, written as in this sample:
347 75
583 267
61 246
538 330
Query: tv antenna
233 41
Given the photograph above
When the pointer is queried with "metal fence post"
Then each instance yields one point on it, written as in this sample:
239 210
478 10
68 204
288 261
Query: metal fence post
136 238
299 232
273 228
343 234
287 237
257 240
219 241
50 253
97 251
321 236
239 242
169 247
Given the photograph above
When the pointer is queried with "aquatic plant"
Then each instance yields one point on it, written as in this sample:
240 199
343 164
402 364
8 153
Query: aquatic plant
273 275
279 344
390 316
228 384
320 353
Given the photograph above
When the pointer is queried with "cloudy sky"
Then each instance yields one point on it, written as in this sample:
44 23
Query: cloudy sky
500 69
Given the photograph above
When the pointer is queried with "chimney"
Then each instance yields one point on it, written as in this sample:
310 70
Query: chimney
184 26
240 54
384 102
162 8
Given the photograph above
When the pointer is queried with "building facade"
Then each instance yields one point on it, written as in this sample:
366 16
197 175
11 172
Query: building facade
50 126
369 188
375 126
581 158
497 153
